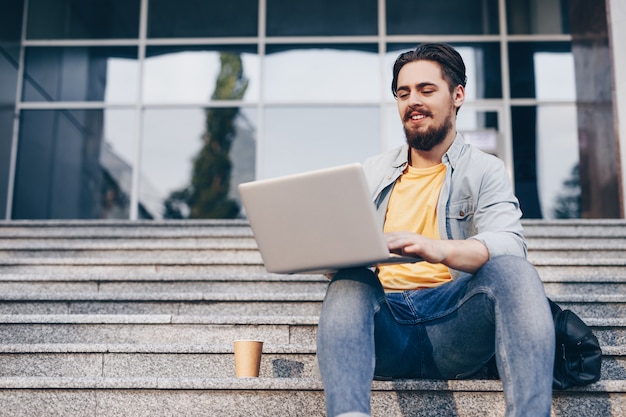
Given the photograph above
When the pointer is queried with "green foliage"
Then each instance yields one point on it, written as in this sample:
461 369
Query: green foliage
568 203
207 195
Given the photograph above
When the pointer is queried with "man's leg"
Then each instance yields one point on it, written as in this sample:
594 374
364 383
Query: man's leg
525 338
447 332
504 305
345 341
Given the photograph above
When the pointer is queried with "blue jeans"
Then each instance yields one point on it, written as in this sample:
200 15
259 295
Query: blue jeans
448 332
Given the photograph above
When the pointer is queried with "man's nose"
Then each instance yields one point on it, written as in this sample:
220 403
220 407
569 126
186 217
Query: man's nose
415 99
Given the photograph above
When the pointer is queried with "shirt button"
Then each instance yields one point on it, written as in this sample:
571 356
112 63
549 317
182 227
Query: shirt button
461 213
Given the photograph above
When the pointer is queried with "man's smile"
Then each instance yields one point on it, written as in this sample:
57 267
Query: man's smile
417 116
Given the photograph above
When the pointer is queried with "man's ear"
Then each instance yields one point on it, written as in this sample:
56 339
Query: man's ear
458 96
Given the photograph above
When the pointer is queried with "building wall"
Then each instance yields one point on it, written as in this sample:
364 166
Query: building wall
617 16
158 108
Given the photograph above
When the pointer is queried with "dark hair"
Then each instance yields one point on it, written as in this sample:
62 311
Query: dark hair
452 66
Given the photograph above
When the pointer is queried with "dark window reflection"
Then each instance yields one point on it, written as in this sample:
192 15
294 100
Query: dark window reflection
321 17
65 170
81 19
547 186
482 62
526 67
9 54
524 125
80 74
11 20
525 17
196 19
6 134
9 58
451 17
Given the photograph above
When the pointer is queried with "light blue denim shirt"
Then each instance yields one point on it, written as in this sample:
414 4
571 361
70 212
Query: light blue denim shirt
476 199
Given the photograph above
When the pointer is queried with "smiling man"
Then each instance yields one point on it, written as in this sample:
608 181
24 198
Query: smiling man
474 297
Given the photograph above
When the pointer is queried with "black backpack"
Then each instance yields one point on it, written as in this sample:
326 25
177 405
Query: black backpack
578 357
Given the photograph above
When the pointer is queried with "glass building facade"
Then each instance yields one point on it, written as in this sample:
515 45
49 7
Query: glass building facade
152 109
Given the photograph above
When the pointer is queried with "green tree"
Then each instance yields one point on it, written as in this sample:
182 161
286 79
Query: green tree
207 195
568 202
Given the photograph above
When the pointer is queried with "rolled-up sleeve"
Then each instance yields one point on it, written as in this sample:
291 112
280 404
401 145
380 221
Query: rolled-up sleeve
497 214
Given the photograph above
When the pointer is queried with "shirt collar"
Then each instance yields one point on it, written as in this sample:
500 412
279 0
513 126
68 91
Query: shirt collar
453 153
403 157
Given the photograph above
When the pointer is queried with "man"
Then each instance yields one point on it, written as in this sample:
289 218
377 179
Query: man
475 296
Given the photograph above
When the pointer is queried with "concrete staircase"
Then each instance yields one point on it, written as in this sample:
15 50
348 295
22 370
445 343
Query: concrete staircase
138 319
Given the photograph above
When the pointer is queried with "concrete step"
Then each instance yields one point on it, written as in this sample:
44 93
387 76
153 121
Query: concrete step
269 397
189 361
99 229
572 228
193 288
243 239
159 329
104 267
294 305
161 361
195 228
556 276
232 305
155 329
242 304
137 318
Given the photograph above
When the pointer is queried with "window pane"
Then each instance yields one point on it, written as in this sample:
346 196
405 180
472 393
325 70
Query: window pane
80 19
542 70
191 172
480 128
451 17
190 74
81 74
482 67
9 58
542 181
196 19
11 20
557 134
298 139
525 17
318 73
322 17
67 170
117 159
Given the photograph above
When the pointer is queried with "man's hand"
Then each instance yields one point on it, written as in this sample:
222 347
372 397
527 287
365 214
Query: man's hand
464 255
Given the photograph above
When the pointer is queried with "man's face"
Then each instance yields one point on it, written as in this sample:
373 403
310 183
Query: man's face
426 106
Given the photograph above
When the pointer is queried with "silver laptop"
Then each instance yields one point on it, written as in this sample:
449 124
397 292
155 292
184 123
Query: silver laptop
316 222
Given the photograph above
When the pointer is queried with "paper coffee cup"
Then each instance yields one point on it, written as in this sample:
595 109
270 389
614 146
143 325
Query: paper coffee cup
248 358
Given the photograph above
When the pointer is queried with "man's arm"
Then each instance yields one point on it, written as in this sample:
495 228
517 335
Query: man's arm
463 255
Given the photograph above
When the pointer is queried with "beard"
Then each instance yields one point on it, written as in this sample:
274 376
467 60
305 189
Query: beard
433 136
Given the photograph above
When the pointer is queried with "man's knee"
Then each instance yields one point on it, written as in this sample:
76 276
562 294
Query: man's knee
511 274
355 279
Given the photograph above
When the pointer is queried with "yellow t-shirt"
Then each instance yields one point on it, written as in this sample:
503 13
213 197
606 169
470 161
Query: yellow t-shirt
413 207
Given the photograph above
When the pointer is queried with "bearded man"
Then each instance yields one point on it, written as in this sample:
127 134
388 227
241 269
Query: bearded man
474 297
